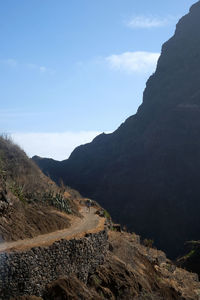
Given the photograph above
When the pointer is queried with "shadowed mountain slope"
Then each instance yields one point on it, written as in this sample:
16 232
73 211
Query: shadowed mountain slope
147 172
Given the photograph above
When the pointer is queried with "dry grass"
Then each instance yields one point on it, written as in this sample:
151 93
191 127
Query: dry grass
30 194
158 276
18 168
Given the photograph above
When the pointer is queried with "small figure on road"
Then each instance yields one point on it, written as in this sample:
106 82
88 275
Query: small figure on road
89 204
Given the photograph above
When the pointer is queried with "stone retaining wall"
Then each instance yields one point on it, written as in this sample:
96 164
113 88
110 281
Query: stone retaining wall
29 272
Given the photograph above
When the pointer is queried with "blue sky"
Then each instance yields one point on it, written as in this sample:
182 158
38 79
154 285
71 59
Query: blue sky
70 69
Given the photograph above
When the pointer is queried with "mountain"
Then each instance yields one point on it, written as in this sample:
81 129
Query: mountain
147 172
90 259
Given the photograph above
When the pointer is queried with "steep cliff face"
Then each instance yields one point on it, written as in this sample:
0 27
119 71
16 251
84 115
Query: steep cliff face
146 173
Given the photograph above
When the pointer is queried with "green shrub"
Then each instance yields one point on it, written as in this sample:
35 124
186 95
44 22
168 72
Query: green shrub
148 243
191 253
106 214
96 280
57 200
17 190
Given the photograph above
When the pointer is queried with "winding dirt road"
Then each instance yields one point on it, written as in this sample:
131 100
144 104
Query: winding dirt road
90 222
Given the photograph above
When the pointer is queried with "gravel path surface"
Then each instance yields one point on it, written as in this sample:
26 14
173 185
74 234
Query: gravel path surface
89 222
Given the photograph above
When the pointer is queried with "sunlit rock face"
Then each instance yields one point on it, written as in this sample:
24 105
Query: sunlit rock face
147 173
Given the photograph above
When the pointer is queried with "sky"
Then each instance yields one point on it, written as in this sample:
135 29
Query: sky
71 69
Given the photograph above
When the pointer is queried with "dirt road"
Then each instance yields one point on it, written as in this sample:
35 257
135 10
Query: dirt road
89 223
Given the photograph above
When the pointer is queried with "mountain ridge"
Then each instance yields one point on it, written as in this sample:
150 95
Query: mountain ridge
146 172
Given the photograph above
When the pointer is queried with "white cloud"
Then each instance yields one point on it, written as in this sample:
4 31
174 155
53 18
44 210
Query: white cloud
134 62
146 22
150 21
53 145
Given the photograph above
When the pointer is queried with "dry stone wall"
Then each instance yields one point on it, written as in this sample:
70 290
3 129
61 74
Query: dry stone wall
28 273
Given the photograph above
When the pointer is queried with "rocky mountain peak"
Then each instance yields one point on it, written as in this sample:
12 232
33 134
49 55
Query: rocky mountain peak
146 173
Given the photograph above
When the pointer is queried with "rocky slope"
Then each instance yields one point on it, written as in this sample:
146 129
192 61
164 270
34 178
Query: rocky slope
146 173
30 203
130 271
